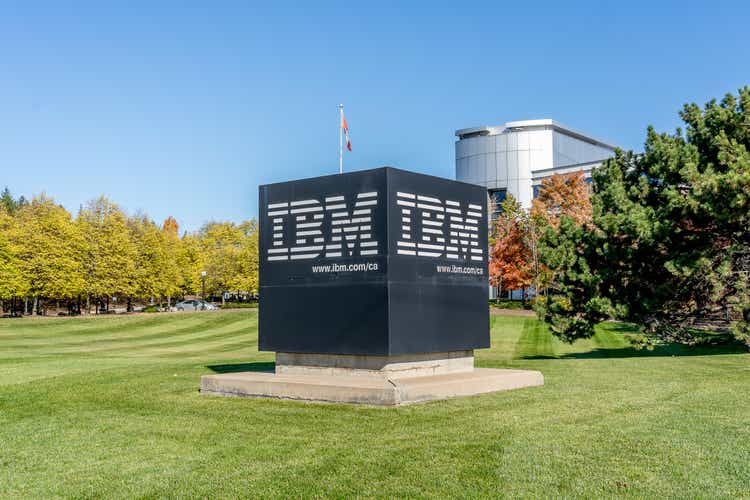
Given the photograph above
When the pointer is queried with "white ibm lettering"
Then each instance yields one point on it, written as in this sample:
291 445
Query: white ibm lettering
349 229
446 230
430 228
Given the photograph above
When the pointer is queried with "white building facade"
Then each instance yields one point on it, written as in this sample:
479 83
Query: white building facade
515 157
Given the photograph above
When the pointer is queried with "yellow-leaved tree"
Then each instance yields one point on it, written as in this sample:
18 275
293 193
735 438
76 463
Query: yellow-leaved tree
221 243
12 284
248 268
156 267
190 263
49 249
230 254
109 253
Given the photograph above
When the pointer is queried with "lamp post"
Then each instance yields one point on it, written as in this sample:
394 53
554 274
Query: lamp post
203 286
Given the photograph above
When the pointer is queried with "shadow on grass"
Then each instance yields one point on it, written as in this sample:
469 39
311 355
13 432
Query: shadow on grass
613 340
267 366
667 350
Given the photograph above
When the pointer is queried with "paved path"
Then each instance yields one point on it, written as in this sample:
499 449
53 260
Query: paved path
512 312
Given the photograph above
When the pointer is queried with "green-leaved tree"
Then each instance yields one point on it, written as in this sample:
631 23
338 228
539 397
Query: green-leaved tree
669 243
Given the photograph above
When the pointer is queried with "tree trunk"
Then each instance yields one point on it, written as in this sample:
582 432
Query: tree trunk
34 306
222 299
169 303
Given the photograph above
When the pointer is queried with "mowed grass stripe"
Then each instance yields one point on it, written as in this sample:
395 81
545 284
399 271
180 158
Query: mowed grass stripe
20 373
607 338
536 341
249 346
45 327
246 329
157 331
504 335
146 348
113 327
648 427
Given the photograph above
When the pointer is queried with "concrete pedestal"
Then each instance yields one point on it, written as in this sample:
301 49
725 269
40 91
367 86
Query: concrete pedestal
375 380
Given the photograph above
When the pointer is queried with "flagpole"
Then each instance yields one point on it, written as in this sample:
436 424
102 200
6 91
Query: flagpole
341 138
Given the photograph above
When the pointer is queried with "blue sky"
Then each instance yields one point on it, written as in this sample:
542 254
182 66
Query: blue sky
183 109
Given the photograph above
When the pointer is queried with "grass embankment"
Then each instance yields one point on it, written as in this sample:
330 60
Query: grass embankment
109 407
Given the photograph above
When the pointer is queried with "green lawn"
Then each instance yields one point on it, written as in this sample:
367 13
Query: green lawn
110 407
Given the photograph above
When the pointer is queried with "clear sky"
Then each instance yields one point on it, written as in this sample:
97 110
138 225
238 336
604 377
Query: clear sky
184 110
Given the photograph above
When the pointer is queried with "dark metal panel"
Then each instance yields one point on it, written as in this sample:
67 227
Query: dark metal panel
374 262
437 279
323 265
325 319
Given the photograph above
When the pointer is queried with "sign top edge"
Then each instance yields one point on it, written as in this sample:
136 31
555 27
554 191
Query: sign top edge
365 171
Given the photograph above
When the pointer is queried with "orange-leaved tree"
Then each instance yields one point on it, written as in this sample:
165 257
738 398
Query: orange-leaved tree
511 264
563 194
559 195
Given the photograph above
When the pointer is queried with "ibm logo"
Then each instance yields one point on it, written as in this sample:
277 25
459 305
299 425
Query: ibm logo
429 228
446 230
347 228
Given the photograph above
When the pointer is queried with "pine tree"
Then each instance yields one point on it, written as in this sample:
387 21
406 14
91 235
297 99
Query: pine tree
559 195
669 240
7 202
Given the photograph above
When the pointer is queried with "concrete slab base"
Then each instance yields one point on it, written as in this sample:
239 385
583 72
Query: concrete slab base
341 388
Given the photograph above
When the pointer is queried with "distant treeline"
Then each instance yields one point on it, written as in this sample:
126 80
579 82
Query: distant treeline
101 256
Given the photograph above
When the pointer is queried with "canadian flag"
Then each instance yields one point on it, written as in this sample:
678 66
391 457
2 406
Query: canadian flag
345 126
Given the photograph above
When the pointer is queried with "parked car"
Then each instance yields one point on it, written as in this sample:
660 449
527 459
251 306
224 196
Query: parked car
194 305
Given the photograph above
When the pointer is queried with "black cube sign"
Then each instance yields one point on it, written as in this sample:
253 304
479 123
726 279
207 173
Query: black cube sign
378 262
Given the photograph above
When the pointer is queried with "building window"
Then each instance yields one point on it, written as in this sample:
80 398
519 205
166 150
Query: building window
497 197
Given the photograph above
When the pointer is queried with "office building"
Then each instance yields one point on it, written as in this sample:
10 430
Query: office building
514 158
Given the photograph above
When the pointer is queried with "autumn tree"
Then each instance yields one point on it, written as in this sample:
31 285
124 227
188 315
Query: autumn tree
563 194
49 249
172 250
230 256
249 259
104 253
170 226
12 284
190 262
109 253
221 245
511 263
155 273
